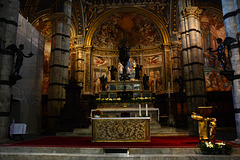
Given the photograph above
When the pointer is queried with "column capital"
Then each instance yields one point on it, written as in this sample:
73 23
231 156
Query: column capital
88 48
175 44
58 17
192 12
166 46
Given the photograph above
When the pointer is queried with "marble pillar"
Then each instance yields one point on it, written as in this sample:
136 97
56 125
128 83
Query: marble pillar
232 27
58 74
192 60
9 11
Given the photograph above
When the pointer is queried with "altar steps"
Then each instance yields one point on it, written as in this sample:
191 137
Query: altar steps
56 153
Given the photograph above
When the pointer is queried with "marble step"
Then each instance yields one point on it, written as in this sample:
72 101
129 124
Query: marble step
55 153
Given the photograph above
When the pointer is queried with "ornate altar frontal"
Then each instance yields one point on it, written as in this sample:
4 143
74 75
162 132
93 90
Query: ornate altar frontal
135 129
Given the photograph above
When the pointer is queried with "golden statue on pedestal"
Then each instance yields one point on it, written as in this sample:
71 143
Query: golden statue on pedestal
206 126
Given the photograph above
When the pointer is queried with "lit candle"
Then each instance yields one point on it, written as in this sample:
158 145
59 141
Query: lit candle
146 110
140 113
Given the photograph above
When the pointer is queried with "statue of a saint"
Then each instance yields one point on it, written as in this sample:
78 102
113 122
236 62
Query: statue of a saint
145 82
137 70
103 81
220 53
112 71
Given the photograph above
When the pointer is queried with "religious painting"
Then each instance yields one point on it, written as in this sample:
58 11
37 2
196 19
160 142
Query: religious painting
155 82
130 69
212 26
44 26
100 61
138 29
153 60
216 82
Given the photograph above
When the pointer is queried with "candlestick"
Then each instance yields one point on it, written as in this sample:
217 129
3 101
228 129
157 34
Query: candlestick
140 112
148 70
146 110
154 86
169 89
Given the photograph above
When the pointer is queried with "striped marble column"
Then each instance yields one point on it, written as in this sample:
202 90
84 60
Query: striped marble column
192 60
9 11
58 75
231 13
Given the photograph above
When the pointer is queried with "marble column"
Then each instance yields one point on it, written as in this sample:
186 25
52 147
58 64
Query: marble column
192 60
9 11
231 21
58 74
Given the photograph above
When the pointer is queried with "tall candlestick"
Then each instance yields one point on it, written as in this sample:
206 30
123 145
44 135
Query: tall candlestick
148 70
154 86
140 112
168 89
146 110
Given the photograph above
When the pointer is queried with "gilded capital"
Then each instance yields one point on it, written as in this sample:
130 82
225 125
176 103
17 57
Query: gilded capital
192 12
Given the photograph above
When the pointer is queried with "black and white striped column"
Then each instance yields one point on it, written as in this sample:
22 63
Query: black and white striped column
58 75
9 11
231 15
192 59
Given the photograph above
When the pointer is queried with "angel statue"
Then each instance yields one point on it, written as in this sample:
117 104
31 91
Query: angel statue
220 53
19 58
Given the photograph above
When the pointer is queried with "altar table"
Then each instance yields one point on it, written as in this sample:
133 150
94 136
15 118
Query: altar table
128 129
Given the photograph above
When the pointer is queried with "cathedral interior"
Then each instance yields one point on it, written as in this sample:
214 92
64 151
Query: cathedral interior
74 59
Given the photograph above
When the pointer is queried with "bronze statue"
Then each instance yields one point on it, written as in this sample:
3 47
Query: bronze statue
112 71
124 54
137 70
220 53
19 59
145 82
103 81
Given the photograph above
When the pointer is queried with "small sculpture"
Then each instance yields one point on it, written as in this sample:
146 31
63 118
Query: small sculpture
112 71
207 126
145 82
14 77
137 70
220 53
19 59
103 81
